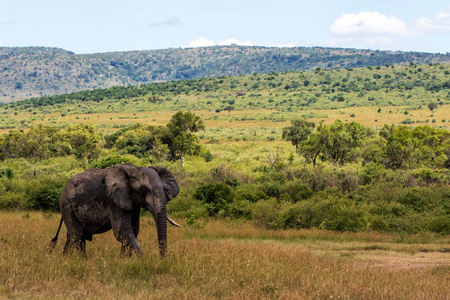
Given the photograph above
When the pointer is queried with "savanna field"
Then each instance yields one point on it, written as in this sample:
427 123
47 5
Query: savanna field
326 184
224 259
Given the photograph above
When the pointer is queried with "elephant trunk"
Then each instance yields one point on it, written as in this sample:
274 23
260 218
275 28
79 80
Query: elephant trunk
161 228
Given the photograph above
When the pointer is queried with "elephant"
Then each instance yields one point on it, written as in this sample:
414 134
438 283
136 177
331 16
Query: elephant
98 200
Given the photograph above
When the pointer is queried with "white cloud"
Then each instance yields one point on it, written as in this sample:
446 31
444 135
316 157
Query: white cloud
201 42
368 24
374 30
441 22
369 29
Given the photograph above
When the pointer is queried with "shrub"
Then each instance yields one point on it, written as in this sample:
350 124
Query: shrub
215 196
110 161
428 176
439 224
249 193
296 191
413 199
327 211
407 121
208 156
44 192
268 214
239 209
184 205
335 212
6 172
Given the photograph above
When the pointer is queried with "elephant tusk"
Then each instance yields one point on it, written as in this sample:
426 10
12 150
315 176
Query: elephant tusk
172 221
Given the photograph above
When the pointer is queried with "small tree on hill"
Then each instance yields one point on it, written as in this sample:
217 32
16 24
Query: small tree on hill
432 106
299 131
229 109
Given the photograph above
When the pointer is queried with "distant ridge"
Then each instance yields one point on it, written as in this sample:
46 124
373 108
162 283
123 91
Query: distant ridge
28 72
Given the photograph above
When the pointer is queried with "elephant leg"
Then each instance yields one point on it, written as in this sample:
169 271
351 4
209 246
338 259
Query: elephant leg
75 235
75 241
123 232
135 214
126 249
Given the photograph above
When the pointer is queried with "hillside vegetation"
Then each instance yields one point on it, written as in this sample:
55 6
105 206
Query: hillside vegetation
38 71
309 149
320 184
373 96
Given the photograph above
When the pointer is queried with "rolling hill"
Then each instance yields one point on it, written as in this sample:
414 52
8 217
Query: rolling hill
39 71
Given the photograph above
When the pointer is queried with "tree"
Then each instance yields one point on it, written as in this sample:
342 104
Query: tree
299 131
334 142
229 109
182 126
187 122
432 106
145 139
84 140
423 146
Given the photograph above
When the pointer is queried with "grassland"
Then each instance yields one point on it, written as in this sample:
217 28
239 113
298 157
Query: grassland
216 259
220 261
249 118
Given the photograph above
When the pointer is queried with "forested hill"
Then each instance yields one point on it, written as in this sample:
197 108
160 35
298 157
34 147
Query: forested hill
38 71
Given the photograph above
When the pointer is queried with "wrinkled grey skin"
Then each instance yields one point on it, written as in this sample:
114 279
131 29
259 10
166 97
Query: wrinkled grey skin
98 200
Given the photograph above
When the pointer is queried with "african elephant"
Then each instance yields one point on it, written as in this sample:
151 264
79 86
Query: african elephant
98 200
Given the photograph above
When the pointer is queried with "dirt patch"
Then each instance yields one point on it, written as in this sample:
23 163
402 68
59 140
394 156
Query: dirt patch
398 260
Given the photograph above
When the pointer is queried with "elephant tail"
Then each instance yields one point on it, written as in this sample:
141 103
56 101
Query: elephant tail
53 242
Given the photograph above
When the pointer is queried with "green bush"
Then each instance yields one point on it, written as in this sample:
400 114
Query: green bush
207 156
329 210
295 191
239 209
268 214
428 176
332 212
216 197
249 193
6 172
110 161
439 224
44 192
185 206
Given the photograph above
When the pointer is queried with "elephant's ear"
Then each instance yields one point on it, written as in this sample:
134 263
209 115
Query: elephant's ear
170 185
118 186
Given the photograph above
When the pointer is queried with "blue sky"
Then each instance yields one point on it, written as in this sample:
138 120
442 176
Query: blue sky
92 26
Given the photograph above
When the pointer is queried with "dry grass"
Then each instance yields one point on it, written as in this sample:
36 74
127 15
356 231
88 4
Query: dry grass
223 260
368 116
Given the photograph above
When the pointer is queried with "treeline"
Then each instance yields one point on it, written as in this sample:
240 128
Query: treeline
394 147
176 139
341 176
44 142
321 87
